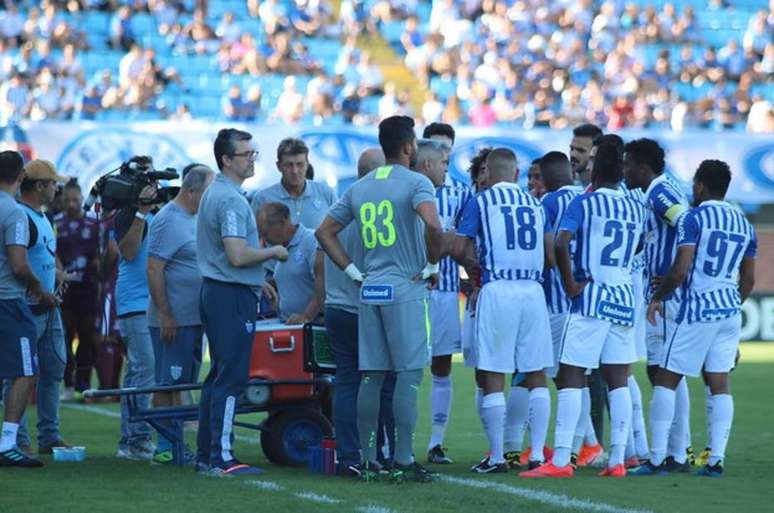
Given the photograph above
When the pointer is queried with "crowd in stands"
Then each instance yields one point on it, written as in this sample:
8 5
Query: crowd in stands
526 63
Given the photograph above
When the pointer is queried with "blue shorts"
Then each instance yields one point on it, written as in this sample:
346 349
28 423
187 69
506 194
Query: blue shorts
18 340
178 362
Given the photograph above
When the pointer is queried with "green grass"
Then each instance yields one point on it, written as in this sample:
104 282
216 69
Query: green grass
105 484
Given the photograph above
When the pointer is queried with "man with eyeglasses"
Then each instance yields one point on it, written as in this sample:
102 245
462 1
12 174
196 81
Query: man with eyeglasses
232 266
308 201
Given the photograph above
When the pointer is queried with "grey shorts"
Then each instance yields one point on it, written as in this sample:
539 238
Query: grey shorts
395 336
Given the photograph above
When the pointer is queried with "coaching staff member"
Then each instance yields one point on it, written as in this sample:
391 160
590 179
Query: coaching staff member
231 265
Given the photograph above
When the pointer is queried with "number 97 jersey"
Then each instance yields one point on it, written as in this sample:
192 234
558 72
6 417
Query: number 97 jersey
607 225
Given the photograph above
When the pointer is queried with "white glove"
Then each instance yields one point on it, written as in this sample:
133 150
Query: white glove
429 270
354 273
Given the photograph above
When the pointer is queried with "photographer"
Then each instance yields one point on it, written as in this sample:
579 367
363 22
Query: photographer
175 283
301 274
131 225
37 190
18 356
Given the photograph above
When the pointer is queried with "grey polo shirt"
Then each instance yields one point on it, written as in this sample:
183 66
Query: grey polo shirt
340 291
172 239
309 209
14 231
295 276
224 212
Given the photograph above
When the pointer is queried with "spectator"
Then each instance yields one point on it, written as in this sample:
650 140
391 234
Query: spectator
182 113
11 24
46 100
300 276
228 30
174 282
79 253
251 108
121 35
290 104
233 104
200 35
15 99
308 201
482 115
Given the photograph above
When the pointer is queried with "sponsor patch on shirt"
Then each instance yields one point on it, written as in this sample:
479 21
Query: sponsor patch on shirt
376 294
614 312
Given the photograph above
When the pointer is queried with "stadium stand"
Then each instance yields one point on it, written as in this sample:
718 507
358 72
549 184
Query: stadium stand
640 63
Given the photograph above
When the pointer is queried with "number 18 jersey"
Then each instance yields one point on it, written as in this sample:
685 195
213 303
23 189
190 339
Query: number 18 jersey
509 224
607 225
383 205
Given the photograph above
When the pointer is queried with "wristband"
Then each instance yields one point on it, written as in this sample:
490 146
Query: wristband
140 215
430 269
354 273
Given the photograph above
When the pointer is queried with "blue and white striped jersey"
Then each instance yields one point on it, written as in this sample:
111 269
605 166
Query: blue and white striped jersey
666 203
555 204
451 200
638 262
510 224
723 237
607 225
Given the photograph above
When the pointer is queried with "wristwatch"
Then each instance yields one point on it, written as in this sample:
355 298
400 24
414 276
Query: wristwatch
140 215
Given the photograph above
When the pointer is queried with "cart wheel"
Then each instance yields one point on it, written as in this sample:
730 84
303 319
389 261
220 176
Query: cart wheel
270 449
291 434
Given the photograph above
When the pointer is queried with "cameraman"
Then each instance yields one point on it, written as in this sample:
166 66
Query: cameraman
175 284
131 229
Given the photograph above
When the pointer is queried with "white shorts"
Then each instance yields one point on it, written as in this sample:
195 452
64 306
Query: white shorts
469 352
513 331
657 336
445 328
558 323
589 341
640 311
709 345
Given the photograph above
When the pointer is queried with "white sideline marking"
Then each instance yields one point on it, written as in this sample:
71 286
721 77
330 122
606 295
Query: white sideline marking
556 500
322 499
374 509
99 410
92 409
266 485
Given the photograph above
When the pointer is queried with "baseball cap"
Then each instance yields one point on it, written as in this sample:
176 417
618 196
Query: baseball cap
43 170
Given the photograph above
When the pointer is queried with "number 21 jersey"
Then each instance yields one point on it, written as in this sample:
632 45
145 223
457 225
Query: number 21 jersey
607 225
383 206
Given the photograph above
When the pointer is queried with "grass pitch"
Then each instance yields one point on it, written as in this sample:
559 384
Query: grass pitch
105 484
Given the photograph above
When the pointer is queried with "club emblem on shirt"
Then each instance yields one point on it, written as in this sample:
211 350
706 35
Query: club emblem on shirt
298 256
317 203
175 371
86 233
249 327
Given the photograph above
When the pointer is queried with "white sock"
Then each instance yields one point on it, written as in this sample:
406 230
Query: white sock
493 416
516 417
567 420
590 436
479 398
440 406
620 419
708 415
722 417
680 435
662 411
639 433
8 440
580 433
539 414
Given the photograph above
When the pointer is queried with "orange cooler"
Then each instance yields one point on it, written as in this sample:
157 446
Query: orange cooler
278 354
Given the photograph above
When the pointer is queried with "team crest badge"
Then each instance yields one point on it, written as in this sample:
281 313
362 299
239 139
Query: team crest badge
175 371
249 327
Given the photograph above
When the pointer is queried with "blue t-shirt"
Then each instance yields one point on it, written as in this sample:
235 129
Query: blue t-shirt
41 252
132 283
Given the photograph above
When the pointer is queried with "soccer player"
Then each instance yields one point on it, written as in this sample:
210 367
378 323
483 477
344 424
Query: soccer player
401 255
341 305
433 161
580 148
606 225
715 264
441 132
231 264
512 319
17 324
665 203
535 184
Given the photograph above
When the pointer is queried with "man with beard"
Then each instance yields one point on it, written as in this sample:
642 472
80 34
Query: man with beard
580 149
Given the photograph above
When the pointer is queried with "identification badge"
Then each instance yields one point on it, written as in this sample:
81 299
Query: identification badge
376 294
